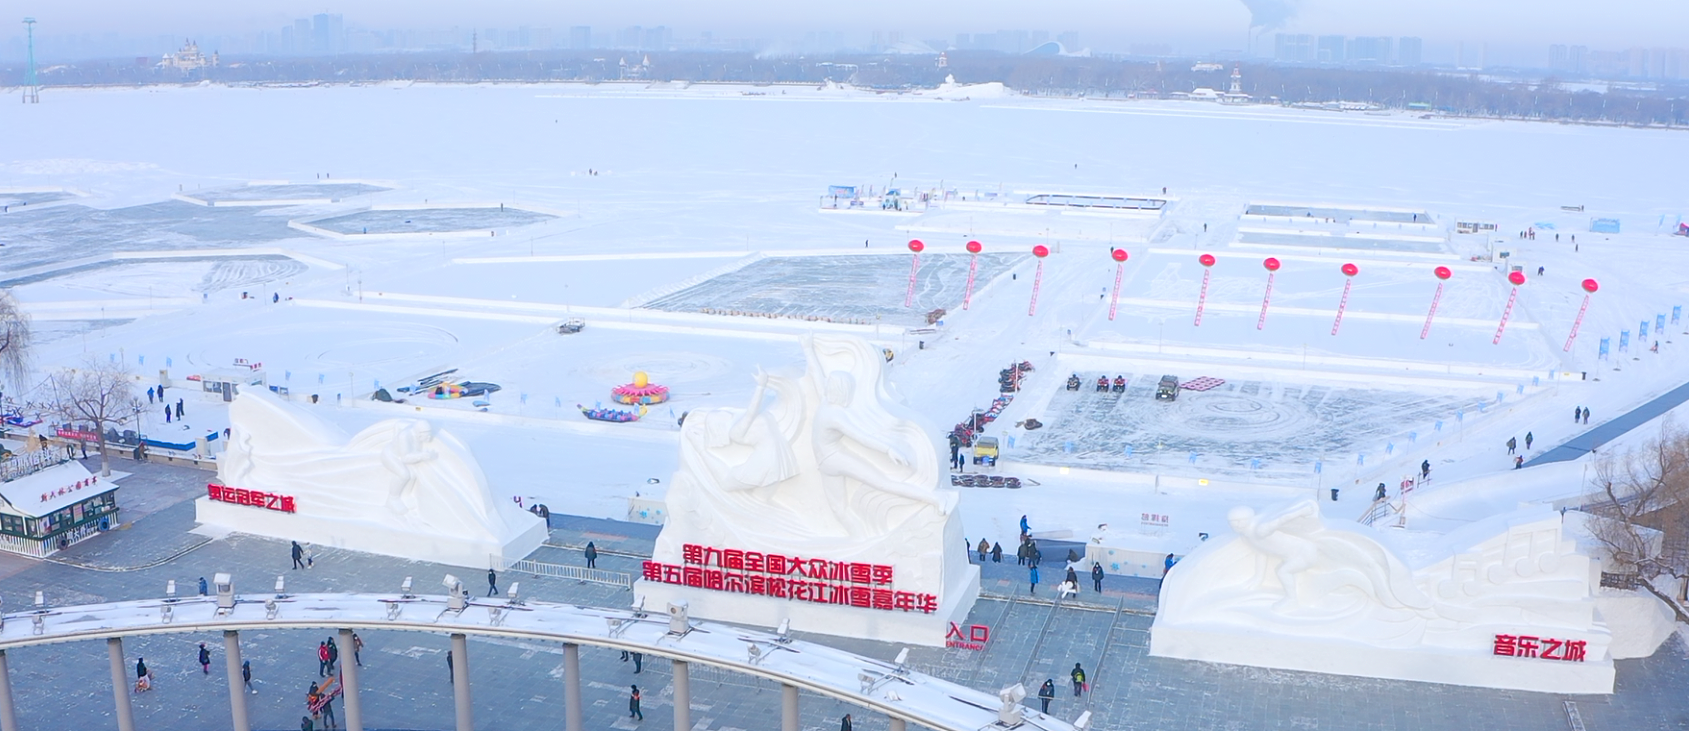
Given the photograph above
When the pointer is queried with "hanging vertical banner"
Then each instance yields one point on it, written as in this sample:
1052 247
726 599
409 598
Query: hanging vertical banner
1207 260
1039 251
1642 330
1602 353
915 247
1271 264
973 266
1349 272
1676 314
1589 287
1443 274
1659 323
1517 278
1119 257
1624 341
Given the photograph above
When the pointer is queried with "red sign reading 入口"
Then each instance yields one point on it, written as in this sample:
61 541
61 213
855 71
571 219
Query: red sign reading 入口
862 585
1542 648
975 639
254 498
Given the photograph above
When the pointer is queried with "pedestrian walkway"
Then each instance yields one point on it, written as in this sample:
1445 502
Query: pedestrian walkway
1605 432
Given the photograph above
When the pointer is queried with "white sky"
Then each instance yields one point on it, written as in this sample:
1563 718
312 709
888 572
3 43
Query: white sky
1608 24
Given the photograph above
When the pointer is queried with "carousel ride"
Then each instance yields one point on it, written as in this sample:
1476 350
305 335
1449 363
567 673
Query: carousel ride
641 392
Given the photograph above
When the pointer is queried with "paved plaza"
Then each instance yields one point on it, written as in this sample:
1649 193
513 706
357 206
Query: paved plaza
516 684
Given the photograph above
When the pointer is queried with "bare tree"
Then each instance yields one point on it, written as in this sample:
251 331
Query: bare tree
14 341
97 394
1642 507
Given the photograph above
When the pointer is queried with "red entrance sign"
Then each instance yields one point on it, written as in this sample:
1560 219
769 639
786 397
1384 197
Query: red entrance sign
254 498
975 639
1541 648
863 585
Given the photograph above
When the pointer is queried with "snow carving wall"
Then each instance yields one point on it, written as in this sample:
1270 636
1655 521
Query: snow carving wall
822 502
1504 604
399 488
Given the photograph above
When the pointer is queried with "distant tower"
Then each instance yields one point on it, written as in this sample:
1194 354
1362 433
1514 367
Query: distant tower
31 87
1237 79
943 61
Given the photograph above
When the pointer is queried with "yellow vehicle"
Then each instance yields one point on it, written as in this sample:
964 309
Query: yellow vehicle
985 451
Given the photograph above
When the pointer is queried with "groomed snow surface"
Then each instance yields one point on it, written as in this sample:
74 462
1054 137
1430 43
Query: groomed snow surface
695 252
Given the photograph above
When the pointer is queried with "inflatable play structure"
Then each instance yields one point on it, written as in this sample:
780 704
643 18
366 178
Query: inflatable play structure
599 413
641 391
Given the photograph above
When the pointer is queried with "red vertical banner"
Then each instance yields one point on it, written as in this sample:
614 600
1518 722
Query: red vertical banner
1443 273
1517 278
915 247
1039 251
1349 272
1119 257
973 266
1589 287
1207 260
1271 264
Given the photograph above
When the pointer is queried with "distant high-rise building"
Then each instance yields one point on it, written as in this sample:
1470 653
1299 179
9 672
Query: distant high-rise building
964 40
1069 40
1012 41
1368 50
1410 51
1038 38
1559 59
657 39
1295 48
328 33
580 37
1330 49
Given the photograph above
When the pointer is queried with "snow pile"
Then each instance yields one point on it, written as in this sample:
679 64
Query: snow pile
952 91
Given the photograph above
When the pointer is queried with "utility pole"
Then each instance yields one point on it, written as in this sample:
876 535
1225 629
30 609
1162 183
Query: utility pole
31 87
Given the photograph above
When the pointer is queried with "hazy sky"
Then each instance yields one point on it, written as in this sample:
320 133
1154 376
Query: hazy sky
1601 23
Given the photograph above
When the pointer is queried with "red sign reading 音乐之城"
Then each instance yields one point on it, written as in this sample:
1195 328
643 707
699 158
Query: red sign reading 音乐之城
1541 648
776 575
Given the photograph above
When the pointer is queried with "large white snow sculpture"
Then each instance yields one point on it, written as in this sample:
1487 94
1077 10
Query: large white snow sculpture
399 488
1502 603
822 502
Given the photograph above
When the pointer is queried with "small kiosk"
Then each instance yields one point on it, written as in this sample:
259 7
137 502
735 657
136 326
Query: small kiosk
47 510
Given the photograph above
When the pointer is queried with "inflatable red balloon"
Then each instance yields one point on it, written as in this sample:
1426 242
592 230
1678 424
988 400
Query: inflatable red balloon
1517 278
1206 259
1040 251
1444 272
974 247
916 246
1590 285
1118 254
1351 270
1271 264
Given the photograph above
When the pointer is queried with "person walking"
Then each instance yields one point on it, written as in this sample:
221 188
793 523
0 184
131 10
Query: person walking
204 589
333 655
298 555
633 704
1047 693
178 408
1529 437
1097 577
1424 470
984 548
1577 414
140 668
451 670
1024 528
204 659
1519 462
591 555
1586 415
996 553
1034 579
322 659
1020 554
1167 565
329 720
246 675
638 662
1512 445
492 582
1072 577
149 394
1033 555
357 649
305 724
844 723
1078 676
167 413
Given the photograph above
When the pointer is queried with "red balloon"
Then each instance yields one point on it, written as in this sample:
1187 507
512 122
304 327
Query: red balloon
1271 264
974 247
916 246
1351 270
1590 285
1040 251
1444 272
1517 278
1118 254
1206 259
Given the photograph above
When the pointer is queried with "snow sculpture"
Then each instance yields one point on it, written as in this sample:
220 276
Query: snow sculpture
1502 603
822 502
399 487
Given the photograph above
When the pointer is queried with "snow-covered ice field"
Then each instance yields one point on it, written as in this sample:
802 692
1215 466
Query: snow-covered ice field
720 212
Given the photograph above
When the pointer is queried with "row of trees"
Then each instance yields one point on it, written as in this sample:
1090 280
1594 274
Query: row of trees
1462 93
98 394
1641 508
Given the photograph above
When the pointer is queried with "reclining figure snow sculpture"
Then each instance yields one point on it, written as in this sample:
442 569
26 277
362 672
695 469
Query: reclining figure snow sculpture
399 487
1292 590
827 466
